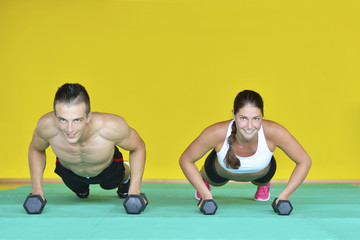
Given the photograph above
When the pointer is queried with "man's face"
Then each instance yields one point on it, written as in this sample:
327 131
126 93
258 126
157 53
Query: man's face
72 120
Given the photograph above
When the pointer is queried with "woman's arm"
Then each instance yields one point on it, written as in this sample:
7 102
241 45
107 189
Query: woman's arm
208 139
281 138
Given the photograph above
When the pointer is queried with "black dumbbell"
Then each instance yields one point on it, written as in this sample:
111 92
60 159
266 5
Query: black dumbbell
283 207
208 206
34 204
135 204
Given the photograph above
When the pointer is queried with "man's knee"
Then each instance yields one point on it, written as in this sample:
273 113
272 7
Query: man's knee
107 187
112 183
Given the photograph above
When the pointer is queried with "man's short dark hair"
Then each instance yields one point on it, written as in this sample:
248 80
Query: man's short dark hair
72 93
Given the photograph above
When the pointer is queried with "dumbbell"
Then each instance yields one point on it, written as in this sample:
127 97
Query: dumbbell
283 207
207 206
34 204
135 204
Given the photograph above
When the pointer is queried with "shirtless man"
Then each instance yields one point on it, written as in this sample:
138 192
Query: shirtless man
85 145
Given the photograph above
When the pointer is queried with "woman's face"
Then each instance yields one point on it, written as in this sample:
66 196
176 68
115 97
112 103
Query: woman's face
248 121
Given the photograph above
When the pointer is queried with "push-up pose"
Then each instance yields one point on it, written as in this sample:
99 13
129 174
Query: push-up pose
85 144
242 150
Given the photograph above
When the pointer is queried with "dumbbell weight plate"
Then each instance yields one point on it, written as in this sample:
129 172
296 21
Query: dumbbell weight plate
34 204
208 206
135 204
283 207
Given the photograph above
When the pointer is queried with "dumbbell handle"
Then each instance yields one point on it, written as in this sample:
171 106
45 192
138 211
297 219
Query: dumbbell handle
273 204
43 198
202 200
142 195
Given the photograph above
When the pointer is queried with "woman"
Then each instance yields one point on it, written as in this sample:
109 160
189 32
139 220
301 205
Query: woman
243 151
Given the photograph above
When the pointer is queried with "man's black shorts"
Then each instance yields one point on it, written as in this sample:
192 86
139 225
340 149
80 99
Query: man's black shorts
110 178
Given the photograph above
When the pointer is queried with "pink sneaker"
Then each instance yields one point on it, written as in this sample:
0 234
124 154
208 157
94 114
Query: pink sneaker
197 195
263 193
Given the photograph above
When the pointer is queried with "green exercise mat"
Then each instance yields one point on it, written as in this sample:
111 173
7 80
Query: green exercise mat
321 211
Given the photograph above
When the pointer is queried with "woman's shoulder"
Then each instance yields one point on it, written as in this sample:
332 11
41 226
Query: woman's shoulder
270 127
274 131
213 135
219 126
218 130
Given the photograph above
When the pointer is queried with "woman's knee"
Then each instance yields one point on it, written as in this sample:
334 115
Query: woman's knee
260 184
212 183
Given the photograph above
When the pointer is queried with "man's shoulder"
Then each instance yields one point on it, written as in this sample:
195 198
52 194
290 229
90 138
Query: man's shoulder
46 126
47 120
109 125
107 119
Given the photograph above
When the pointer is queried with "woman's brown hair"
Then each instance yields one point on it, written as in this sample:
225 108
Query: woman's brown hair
243 98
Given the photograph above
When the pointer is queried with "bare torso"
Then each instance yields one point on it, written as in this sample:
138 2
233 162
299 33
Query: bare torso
87 159
90 156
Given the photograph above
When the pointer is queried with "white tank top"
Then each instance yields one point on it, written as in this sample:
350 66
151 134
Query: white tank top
254 163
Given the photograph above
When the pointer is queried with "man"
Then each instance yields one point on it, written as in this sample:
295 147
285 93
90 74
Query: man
85 145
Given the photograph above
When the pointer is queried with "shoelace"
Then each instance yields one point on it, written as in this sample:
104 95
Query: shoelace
265 189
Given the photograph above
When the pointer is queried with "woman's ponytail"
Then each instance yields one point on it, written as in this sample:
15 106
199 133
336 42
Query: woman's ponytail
231 161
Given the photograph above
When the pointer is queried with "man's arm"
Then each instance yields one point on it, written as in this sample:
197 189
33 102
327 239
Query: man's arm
137 156
37 162
125 137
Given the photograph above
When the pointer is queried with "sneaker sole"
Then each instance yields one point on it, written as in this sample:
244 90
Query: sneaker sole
262 200
196 197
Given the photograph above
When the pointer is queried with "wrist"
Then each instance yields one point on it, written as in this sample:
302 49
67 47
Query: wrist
283 197
134 190
36 191
207 196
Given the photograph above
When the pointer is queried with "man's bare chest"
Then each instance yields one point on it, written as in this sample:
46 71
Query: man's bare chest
91 152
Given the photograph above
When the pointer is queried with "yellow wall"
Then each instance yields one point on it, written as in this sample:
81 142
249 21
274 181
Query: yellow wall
172 67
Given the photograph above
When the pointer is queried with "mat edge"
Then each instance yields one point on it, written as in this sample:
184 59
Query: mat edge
183 181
